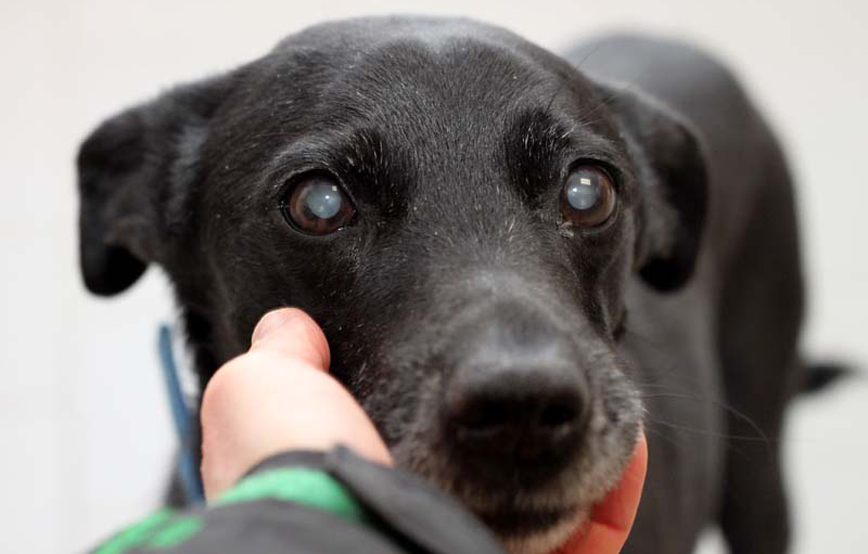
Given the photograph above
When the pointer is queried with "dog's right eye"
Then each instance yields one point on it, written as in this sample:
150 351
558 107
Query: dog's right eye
317 205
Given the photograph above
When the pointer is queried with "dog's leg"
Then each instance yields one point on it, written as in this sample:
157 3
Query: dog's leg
754 516
761 312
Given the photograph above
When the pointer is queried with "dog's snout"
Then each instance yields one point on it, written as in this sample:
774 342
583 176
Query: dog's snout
516 398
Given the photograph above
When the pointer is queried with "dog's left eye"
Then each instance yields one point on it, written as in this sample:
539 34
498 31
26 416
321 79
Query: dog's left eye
318 206
588 197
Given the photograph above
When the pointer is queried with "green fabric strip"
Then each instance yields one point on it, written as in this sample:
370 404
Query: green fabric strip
134 535
172 534
309 487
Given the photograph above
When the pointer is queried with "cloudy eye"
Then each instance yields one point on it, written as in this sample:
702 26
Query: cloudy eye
588 197
318 206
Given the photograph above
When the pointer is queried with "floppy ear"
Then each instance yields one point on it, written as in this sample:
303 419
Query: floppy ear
672 176
134 172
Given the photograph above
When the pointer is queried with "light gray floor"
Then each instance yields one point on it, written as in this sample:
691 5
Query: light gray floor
84 426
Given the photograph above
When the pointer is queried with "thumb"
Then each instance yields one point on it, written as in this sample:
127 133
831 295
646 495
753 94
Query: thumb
277 397
291 333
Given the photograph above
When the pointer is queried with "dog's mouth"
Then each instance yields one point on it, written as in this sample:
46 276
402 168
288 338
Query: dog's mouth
534 531
526 519
509 522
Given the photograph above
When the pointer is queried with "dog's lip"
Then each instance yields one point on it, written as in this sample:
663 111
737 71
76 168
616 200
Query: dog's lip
513 521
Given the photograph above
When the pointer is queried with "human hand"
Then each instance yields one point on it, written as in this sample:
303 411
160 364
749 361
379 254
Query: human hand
278 397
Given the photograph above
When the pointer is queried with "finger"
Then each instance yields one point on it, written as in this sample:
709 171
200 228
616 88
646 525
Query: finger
611 520
618 509
292 333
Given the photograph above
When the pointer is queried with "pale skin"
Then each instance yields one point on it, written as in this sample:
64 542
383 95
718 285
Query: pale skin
279 396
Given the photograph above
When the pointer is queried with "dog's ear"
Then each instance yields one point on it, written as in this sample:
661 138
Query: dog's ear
133 173
672 175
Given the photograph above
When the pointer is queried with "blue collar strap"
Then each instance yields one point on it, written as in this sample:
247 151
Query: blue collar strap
182 414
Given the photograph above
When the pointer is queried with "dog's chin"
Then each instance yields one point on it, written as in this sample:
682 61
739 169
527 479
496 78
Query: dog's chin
544 539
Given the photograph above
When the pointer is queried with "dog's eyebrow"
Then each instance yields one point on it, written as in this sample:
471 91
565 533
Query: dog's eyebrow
361 158
539 145
378 170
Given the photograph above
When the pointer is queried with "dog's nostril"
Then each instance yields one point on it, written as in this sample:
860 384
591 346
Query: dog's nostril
483 416
557 415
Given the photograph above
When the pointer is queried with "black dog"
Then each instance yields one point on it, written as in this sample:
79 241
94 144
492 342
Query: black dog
515 257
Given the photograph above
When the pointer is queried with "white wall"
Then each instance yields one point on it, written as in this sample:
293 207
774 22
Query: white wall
84 424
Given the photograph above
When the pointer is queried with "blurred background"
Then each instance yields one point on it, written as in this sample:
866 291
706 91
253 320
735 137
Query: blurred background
86 435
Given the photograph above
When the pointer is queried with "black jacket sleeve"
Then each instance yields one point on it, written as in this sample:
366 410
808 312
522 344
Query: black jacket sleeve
376 509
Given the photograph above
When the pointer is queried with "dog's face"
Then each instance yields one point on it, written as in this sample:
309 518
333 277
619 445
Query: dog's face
459 210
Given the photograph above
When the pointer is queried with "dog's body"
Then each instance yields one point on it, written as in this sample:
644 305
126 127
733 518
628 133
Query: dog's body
454 290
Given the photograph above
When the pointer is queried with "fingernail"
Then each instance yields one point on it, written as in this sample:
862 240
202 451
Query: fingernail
269 322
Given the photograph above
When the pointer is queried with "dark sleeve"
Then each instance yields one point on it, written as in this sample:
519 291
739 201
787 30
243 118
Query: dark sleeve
314 503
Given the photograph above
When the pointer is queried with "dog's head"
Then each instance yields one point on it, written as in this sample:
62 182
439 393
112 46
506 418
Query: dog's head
461 212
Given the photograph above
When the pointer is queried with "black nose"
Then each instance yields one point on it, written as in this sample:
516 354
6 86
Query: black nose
528 414
517 403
